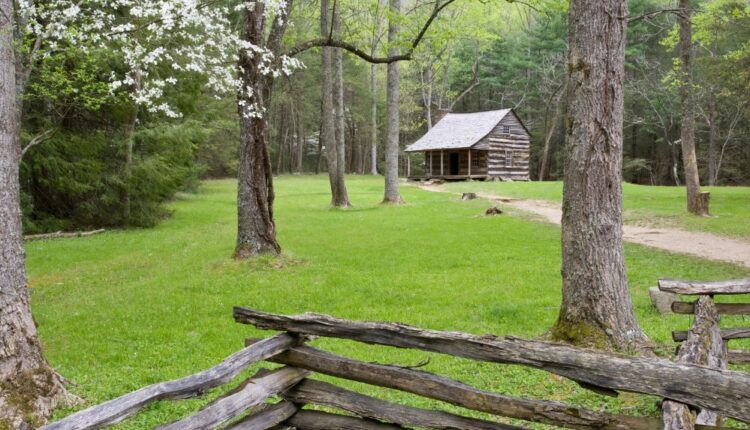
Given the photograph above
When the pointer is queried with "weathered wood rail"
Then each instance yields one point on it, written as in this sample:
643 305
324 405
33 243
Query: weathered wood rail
705 343
249 406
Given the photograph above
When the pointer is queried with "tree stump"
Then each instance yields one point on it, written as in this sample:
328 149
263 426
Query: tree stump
494 210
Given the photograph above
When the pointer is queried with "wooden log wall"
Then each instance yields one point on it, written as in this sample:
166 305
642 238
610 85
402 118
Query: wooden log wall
509 139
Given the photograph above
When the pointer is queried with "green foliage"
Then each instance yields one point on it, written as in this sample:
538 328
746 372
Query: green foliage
125 309
74 181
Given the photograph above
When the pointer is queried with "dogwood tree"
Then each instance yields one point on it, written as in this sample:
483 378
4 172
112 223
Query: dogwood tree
158 42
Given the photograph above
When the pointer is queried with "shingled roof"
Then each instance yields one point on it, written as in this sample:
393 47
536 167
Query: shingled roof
459 130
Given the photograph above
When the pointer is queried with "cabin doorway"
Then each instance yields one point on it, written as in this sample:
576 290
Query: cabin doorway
454 163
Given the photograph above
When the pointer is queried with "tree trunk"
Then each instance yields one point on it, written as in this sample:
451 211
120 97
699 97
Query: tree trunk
373 119
340 197
713 141
129 144
300 140
329 92
256 231
29 388
596 307
544 162
697 202
392 194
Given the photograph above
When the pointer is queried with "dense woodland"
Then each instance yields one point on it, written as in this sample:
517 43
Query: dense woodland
76 172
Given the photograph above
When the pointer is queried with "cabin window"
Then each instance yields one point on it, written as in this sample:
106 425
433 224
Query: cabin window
506 129
508 158
476 162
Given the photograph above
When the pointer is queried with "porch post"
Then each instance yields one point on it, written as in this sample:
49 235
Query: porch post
408 165
441 162
469 163
430 152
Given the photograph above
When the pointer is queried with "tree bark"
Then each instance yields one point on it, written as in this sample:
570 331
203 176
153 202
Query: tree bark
340 197
256 230
697 202
713 141
373 115
544 162
129 144
301 141
329 114
29 388
596 306
392 194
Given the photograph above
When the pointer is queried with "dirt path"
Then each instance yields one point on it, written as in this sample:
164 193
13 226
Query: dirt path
704 245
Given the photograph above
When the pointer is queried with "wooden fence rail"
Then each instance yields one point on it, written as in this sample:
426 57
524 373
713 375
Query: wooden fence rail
705 343
724 391
247 407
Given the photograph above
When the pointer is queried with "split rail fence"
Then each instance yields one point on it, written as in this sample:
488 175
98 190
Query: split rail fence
276 399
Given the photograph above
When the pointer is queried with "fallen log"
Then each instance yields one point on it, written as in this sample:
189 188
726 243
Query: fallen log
726 334
734 286
325 394
59 234
705 347
316 420
252 393
457 393
723 391
688 308
266 418
118 409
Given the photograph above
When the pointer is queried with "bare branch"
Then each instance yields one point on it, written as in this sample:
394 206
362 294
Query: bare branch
36 140
474 82
677 11
335 43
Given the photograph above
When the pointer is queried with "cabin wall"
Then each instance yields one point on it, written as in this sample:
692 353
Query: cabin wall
509 144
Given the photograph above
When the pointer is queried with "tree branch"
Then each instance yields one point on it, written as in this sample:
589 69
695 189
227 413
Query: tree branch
36 140
335 43
677 11
474 82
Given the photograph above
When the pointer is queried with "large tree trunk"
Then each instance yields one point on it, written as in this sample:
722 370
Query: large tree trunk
392 194
697 202
29 388
256 231
596 307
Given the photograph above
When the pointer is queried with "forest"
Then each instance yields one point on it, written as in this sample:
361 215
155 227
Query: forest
98 156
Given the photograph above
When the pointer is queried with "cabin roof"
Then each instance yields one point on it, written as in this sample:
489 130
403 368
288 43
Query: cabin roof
459 130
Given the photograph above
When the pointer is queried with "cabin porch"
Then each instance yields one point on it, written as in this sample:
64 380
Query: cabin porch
453 164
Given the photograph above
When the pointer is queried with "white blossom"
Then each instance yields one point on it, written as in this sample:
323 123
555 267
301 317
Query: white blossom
151 36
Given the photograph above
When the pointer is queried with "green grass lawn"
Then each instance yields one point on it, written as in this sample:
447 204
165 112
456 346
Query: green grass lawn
647 205
124 309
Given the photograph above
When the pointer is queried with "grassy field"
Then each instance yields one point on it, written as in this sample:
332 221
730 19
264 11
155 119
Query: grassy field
124 309
646 205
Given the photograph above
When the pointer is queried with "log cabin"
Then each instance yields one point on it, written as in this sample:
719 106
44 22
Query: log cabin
480 145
